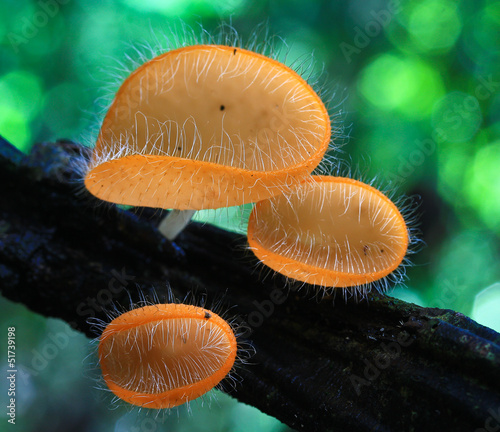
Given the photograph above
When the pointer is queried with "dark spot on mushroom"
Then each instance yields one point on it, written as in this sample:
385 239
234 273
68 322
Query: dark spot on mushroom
222 107
234 52
179 148
207 315
183 338
365 249
382 250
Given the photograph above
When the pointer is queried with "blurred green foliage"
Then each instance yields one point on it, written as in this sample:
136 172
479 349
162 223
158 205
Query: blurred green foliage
417 83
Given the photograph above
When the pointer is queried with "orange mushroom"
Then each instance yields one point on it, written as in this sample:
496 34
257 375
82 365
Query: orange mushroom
207 126
164 355
331 232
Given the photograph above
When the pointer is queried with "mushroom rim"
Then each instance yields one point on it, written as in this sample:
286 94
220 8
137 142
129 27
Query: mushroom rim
292 169
279 263
214 47
153 400
180 311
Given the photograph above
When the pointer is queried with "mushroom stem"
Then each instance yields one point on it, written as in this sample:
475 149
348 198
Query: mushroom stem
175 222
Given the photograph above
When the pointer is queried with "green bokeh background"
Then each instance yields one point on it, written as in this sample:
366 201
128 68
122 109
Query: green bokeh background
416 91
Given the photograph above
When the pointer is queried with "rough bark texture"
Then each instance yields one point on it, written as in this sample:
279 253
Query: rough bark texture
377 365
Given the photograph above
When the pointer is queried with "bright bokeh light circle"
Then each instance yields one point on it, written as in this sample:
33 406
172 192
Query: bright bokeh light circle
482 186
435 25
486 307
405 84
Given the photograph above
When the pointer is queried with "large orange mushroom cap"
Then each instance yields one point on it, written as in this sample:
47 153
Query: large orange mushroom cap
330 232
208 126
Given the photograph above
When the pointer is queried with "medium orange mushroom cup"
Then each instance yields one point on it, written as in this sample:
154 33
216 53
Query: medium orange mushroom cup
333 232
205 127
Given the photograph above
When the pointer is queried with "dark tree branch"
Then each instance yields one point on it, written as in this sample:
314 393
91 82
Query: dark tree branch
377 365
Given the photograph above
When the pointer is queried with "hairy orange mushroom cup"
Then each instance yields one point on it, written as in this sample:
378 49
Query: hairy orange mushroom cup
164 355
330 232
207 126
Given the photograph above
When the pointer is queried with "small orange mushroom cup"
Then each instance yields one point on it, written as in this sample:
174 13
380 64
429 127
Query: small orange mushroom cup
332 232
205 127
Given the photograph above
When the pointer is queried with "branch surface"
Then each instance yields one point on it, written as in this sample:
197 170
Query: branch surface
377 365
